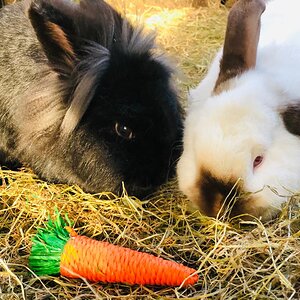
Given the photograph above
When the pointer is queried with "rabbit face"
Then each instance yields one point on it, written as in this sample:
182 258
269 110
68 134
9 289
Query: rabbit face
135 114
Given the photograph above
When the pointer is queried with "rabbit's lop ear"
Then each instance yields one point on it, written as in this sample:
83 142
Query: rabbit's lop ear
68 33
66 29
241 41
52 22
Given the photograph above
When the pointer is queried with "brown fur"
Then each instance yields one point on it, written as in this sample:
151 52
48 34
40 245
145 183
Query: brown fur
215 192
241 40
60 38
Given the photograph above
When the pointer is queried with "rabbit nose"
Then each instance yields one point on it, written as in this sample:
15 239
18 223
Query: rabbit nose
212 201
212 204
216 194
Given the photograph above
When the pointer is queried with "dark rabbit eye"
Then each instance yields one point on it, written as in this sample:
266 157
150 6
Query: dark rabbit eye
257 161
124 131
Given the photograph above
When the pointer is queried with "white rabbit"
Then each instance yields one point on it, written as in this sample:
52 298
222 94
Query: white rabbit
242 131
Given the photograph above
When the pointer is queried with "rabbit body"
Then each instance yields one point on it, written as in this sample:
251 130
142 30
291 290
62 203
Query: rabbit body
244 137
84 99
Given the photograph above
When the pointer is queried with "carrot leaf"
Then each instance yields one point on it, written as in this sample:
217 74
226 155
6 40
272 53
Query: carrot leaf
48 245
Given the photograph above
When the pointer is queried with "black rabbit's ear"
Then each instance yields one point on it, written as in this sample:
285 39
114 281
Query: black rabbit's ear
53 24
241 40
99 22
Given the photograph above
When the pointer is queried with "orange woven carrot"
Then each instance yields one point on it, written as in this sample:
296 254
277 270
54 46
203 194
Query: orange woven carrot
58 249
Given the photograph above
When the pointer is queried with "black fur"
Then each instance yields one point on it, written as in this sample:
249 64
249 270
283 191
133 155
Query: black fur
7 163
291 119
136 97
82 69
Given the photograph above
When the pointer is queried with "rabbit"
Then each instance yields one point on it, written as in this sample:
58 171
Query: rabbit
241 140
86 98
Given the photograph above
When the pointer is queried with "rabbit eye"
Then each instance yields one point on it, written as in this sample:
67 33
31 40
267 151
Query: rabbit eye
124 131
257 161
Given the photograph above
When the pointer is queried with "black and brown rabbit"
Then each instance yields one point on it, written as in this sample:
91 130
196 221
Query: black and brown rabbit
85 98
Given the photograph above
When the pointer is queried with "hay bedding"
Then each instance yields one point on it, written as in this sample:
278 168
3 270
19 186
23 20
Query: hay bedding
235 261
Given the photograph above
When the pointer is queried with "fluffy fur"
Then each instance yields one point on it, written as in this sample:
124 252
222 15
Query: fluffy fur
75 79
256 113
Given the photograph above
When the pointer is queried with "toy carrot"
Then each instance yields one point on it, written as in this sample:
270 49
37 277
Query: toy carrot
58 249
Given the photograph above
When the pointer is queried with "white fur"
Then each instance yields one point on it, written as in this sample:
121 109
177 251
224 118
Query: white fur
225 133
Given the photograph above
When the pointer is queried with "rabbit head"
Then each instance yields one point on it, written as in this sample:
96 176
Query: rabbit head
100 108
239 157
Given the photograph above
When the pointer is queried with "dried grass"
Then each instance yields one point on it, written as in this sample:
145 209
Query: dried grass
238 260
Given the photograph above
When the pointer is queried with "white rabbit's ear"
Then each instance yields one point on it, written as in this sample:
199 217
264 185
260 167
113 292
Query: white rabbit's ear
241 40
